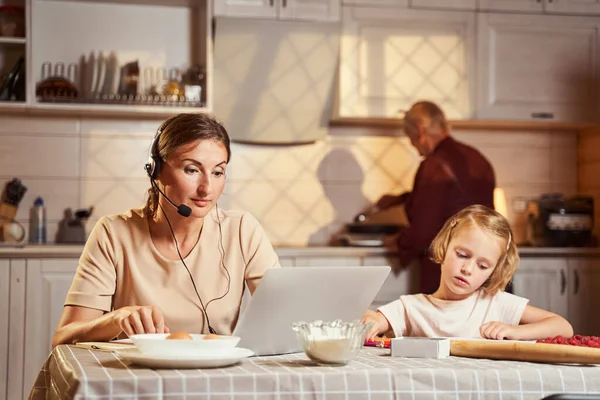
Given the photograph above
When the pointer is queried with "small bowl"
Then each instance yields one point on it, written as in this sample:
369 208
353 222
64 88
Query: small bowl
158 344
331 343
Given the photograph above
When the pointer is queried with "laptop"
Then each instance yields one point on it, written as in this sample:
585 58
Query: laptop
292 294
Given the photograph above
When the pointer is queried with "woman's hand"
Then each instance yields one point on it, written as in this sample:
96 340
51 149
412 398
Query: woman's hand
140 319
498 330
380 323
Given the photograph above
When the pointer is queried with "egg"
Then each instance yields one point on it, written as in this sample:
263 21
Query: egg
179 336
211 336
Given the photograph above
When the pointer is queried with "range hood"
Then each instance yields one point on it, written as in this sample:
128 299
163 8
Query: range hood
274 81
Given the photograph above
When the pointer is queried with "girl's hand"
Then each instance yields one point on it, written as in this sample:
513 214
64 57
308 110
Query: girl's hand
498 330
140 319
380 323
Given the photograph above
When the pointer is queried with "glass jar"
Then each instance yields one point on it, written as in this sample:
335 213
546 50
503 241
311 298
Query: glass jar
12 21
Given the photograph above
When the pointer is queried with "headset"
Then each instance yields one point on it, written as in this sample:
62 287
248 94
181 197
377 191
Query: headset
153 168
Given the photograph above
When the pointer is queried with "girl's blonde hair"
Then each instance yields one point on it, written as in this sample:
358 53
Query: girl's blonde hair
487 220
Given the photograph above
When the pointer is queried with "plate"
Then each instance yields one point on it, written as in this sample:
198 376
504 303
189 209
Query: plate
157 361
157 343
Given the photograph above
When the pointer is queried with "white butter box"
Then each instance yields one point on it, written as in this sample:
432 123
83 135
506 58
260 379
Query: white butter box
420 347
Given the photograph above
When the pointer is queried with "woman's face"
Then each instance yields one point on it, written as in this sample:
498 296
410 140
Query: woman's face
194 175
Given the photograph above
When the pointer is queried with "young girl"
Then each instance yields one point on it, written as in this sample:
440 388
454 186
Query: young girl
478 258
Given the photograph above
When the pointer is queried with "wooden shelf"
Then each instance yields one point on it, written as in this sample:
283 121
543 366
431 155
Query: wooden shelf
396 123
102 111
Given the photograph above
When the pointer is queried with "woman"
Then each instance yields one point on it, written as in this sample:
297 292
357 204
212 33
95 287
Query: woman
178 264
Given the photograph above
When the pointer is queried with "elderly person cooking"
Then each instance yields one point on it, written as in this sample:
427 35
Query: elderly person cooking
179 263
452 176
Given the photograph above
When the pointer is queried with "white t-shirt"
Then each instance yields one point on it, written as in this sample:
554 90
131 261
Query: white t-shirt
422 315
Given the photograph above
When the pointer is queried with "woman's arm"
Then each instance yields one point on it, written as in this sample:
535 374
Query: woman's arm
535 324
82 324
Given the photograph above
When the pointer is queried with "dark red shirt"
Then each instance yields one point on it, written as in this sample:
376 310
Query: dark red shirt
452 177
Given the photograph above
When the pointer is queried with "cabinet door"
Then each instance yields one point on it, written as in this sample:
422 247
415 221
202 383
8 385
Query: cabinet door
544 282
584 296
405 282
16 330
4 315
48 282
512 5
522 69
246 8
583 7
446 4
311 10
392 57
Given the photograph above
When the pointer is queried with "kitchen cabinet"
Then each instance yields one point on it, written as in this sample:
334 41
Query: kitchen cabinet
426 4
544 282
445 4
392 57
584 296
567 286
319 10
110 35
48 281
536 6
582 7
273 80
522 70
13 63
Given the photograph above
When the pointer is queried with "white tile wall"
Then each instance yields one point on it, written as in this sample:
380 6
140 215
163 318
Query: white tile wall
301 194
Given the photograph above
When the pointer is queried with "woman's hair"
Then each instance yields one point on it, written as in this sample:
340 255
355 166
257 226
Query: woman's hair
180 130
489 221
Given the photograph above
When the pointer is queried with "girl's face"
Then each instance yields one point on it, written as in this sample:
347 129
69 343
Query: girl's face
470 259
194 175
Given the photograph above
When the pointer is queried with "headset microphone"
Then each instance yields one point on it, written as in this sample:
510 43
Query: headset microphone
182 209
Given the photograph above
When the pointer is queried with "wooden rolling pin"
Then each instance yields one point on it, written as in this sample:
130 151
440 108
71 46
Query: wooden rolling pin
525 351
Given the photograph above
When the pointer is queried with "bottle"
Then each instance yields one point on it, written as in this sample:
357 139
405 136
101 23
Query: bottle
37 222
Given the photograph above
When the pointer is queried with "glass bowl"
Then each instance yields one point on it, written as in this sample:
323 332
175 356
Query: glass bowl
331 343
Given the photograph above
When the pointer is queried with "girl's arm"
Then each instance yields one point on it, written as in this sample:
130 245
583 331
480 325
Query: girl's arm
535 324
540 324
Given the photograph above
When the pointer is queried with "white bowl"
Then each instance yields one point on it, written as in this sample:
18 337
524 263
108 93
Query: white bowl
158 344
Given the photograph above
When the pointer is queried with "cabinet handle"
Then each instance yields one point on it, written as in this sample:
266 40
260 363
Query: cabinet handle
284 3
271 3
563 281
542 115
576 274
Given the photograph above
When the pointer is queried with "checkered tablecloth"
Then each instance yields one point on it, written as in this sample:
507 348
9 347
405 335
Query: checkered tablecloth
75 373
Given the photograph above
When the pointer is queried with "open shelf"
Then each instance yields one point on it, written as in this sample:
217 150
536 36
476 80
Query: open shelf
88 42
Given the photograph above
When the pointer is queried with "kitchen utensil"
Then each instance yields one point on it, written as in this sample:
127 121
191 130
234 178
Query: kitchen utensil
524 351
69 72
13 86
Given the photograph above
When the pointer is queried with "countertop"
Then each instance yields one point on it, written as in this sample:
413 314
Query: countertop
73 251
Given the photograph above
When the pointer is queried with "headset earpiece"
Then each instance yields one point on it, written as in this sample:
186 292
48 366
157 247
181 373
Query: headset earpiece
155 162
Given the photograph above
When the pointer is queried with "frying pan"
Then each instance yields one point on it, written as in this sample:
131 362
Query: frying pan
373 228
